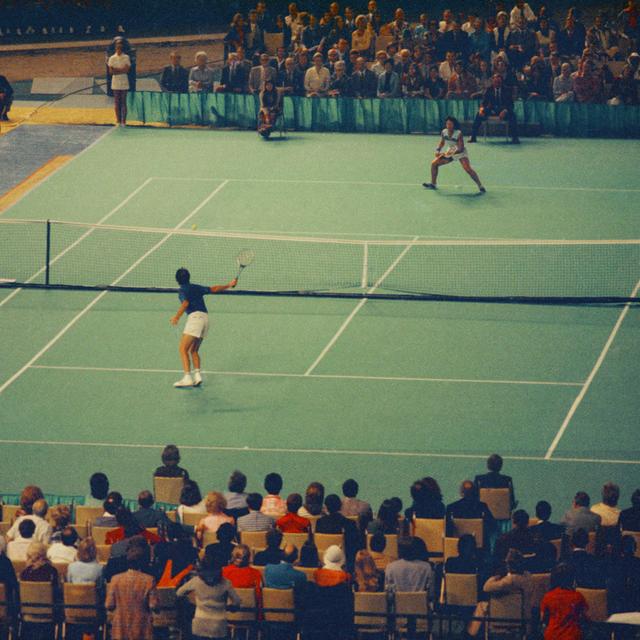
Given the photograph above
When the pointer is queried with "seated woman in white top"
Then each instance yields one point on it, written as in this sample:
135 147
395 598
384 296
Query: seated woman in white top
190 500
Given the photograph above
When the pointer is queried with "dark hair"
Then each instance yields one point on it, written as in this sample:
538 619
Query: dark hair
494 462
350 488
69 536
396 504
333 503
294 502
610 494
145 499
237 482
254 501
273 483
171 453
388 517
138 554
99 484
314 498
417 490
210 569
27 528
113 502
467 545
628 545
182 276
432 489
456 124
292 556
190 494
562 577
412 548
520 519
274 538
378 542
226 533
543 510
582 499
514 561
580 538
309 555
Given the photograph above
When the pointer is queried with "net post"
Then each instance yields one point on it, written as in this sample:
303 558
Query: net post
47 257
365 266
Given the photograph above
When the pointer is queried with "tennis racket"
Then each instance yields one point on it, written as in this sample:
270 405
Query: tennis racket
450 152
243 260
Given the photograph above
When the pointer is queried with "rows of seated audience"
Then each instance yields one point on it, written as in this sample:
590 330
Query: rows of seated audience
590 547
345 53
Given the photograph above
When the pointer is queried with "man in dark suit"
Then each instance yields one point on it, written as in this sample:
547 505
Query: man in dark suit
291 80
589 570
175 78
364 82
494 479
497 101
469 506
456 40
544 529
233 79
335 522
278 62
6 98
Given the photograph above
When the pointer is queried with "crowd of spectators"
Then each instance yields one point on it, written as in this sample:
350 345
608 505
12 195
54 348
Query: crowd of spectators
141 559
342 52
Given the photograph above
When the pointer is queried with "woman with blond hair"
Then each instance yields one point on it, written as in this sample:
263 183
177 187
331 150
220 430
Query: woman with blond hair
215 504
60 516
367 576
240 574
86 568
38 567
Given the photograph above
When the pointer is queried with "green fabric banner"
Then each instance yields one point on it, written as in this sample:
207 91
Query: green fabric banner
400 115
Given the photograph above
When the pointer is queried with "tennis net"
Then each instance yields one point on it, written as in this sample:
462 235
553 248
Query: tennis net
71 255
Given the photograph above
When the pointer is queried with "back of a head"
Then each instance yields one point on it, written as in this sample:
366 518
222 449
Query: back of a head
431 489
99 484
467 546
226 533
29 495
69 536
562 577
378 542
628 546
419 549
350 488
580 539
514 561
113 503
27 528
333 503
60 515
87 551
417 491
237 482
520 519
274 538
294 502
254 501
610 494
405 549
170 456
138 553
190 494
494 463
215 502
210 569
468 490
290 553
145 499
582 499
543 510
309 554
273 483
40 508
36 553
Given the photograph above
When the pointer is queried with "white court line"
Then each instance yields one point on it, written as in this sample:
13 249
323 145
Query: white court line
333 452
359 306
330 376
592 375
97 299
74 244
372 183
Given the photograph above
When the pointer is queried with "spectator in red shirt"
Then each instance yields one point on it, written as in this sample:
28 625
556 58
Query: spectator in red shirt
563 609
292 522
240 574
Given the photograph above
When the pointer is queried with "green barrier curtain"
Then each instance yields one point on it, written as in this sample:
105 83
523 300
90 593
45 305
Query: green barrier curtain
377 116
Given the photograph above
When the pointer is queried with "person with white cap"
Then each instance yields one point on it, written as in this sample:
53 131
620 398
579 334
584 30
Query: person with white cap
332 572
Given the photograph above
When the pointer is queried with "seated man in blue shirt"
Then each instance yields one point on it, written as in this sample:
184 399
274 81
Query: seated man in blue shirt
283 575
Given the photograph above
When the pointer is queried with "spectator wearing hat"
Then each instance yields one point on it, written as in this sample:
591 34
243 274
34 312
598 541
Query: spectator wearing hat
332 572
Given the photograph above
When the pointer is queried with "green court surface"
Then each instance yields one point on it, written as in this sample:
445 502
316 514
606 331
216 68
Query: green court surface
383 391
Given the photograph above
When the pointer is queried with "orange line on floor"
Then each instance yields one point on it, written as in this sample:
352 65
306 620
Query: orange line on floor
13 195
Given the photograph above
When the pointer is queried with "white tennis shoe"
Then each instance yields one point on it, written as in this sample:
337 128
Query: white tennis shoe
197 379
186 381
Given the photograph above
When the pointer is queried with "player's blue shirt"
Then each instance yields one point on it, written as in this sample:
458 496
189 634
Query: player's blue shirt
194 294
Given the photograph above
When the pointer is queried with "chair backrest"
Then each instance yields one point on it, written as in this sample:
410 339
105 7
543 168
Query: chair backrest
167 489
450 548
80 603
247 601
103 552
297 539
61 568
36 602
636 536
99 534
309 572
411 602
209 537
461 589
9 512
166 612
432 532
272 41
498 501
325 540
541 584
370 603
172 516
48 517
86 515
192 519
473 526
4 611
508 608
391 547
278 599
597 601
254 539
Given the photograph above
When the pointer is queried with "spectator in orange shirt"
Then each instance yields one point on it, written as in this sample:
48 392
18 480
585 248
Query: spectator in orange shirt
332 573
563 609
292 522
240 574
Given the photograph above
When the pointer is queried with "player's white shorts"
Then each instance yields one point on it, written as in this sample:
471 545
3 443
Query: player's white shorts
197 324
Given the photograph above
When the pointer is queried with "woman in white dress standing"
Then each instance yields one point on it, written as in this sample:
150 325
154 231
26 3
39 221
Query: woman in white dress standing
119 65
450 148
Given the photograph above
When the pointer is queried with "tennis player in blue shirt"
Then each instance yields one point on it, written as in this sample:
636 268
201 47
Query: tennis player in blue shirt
197 325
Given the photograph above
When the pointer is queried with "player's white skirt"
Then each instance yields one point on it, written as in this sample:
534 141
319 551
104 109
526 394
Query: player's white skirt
462 154
197 324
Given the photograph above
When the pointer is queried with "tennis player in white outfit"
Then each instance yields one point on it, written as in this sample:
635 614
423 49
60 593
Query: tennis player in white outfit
450 148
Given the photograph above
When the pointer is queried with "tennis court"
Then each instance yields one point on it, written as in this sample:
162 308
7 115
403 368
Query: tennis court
383 391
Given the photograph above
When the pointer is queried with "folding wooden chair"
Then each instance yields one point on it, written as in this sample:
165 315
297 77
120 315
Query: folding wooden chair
9 512
325 540
36 606
432 532
597 601
6 622
245 620
255 540
450 548
495 121
505 614
167 489
412 604
541 584
473 526
86 515
192 519
81 606
209 537
370 603
498 501
460 589
99 534
280 599
296 539
391 546
103 552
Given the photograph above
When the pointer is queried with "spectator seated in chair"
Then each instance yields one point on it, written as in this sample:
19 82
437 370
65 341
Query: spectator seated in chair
545 529
175 79
255 520
283 575
580 516
233 78
412 571
270 108
273 553
239 573
292 522
497 101
226 542
65 550
630 518
351 504
146 516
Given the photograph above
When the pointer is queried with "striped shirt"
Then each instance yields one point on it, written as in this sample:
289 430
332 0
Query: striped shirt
255 521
